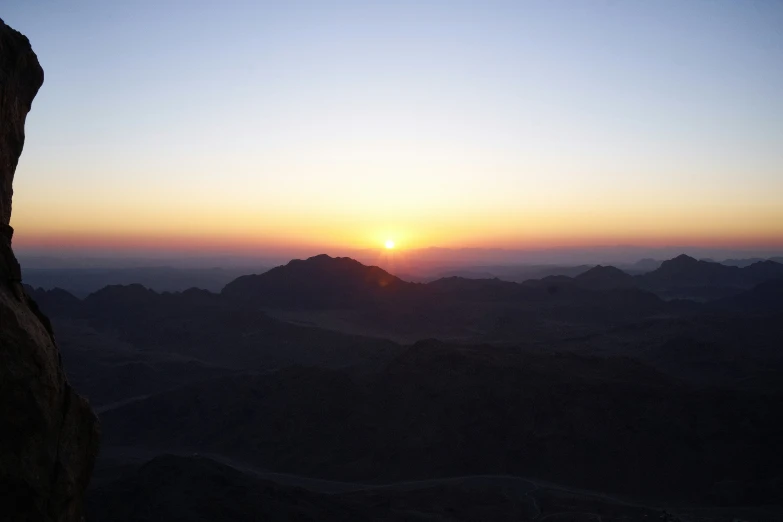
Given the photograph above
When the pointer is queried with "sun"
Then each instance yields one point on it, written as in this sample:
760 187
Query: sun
389 244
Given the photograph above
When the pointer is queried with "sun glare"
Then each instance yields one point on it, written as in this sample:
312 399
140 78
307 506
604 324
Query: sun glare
389 244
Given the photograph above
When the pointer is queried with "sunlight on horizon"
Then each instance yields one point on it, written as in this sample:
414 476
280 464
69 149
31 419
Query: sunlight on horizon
500 125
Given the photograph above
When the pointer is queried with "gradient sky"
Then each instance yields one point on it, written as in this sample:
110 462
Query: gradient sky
250 126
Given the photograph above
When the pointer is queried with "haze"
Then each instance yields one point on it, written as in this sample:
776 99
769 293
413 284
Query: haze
402 261
295 128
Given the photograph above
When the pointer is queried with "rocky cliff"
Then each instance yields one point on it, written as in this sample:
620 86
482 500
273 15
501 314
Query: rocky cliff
48 433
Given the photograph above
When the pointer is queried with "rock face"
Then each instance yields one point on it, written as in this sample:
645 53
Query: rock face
48 433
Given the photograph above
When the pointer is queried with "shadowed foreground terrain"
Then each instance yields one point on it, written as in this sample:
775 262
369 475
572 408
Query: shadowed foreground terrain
173 487
325 389
440 411
553 399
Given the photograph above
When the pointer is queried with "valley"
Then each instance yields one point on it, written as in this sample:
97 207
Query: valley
571 392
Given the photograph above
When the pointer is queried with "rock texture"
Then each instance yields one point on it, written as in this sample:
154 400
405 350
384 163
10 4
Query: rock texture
48 433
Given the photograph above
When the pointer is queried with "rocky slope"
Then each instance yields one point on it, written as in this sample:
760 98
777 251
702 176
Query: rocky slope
437 410
48 434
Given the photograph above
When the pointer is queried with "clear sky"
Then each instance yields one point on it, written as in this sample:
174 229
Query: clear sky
253 126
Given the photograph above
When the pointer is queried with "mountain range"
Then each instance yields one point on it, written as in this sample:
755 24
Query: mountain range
310 374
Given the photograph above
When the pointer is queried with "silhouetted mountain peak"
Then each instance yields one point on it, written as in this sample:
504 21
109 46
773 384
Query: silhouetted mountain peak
647 263
348 270
318 281
763 270
322 260
685 265
134 291
56 292
605 277
602 271
683 260
766 264
711 279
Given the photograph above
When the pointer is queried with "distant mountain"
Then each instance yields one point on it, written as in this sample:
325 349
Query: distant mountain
687 271
605 278
762 271
741 263
323 282
468 289
326 282
525 273
368 300
687 277
647 264
582 380
317 282
55 301
466 274
193 323
83 281
343 294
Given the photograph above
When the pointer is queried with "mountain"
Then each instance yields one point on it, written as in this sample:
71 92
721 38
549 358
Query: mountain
645 265
105 368
517 273
317 282
109 371
440 410
580 381
192 323
473 290
762 271
55 301
257 334
605 278
83 281
522 273
342 293
741 263
687 277
685 270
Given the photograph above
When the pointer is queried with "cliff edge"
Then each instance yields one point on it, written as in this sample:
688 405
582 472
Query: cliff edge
48 433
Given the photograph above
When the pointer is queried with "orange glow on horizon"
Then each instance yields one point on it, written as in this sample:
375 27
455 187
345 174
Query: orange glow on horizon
414 220
241 244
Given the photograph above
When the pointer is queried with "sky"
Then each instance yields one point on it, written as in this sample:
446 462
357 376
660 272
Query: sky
229 126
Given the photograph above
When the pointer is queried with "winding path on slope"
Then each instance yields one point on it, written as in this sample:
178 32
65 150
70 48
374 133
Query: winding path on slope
520 488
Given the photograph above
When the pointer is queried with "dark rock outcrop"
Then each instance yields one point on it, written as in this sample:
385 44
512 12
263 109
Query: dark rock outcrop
48 433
